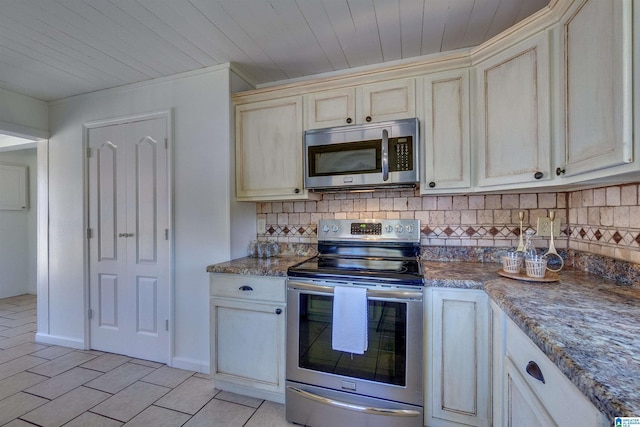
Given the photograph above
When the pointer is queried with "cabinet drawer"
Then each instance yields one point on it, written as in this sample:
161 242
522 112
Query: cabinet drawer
564 402
247 287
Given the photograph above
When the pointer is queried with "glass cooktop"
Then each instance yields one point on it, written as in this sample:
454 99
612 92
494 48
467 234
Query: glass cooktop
405 270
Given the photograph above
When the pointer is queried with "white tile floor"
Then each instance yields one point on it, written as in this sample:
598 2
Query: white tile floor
49 386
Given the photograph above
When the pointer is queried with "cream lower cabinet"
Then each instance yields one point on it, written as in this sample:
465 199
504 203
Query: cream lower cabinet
458 370
596 113
446 155
247 316
536 392
498 337
513 116
269 150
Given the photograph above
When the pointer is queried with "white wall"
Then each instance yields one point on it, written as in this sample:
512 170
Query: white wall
203 210
21 115
18 234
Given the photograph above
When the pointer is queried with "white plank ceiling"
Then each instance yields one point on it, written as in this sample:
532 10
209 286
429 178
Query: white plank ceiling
52 49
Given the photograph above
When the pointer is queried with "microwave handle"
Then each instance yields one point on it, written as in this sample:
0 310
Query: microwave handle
385 155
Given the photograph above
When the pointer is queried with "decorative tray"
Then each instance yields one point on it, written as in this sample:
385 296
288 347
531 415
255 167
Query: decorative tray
548 277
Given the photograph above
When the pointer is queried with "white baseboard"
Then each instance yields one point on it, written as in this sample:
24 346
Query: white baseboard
62 341
190 364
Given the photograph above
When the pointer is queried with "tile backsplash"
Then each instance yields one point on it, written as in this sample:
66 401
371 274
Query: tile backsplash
603 221
606 221
474 220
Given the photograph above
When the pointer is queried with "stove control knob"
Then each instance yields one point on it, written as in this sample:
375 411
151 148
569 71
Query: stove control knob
409 228
325 228
388 229
335 228
399 229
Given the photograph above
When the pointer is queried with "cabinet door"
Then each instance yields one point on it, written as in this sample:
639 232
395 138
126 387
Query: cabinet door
447 162
269 150
458 382
543 378
498 335
513 115
522 408
330 108
596 74
248 345
390 100
14 192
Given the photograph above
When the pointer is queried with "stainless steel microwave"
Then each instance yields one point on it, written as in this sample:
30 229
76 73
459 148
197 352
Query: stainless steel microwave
364 156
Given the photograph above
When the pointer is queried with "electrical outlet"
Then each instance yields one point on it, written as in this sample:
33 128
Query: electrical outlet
544 227
261 226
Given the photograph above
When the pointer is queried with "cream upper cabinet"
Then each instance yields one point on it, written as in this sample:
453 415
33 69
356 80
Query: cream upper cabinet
513 116
389 100
457 383
375 102
596 115
446 154
269 150
330 108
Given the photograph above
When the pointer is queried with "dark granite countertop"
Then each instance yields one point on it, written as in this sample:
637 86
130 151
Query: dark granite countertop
274 266
587 325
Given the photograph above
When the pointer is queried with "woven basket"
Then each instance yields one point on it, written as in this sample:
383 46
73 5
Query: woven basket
536 266
511 264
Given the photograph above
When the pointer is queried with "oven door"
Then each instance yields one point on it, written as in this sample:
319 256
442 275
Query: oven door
390 369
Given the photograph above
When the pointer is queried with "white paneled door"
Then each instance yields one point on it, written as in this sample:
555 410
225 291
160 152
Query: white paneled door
129 246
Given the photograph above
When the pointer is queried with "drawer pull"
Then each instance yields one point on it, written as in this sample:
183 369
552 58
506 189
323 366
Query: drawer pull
534 370
278 311
245 288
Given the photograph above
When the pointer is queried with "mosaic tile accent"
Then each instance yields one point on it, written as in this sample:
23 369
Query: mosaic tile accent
275 230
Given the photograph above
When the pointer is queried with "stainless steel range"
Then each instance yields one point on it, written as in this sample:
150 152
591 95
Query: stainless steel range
382 386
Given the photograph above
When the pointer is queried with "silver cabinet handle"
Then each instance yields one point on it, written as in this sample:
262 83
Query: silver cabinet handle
354 407
385 155
125 234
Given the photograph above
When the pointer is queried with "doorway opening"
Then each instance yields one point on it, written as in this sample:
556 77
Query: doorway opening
18 215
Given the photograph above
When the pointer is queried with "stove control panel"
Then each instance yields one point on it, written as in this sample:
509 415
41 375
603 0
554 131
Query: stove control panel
404 230
366 228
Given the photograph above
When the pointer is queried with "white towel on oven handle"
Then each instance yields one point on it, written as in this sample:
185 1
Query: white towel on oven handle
349 331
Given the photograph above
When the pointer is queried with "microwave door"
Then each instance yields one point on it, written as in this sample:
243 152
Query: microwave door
361 156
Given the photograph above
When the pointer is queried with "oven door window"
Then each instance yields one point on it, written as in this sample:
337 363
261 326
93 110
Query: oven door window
345 158
385 359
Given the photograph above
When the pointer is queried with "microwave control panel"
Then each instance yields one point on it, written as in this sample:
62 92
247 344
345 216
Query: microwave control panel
400 154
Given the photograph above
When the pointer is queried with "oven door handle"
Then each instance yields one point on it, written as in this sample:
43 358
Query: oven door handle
354 407
371 293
